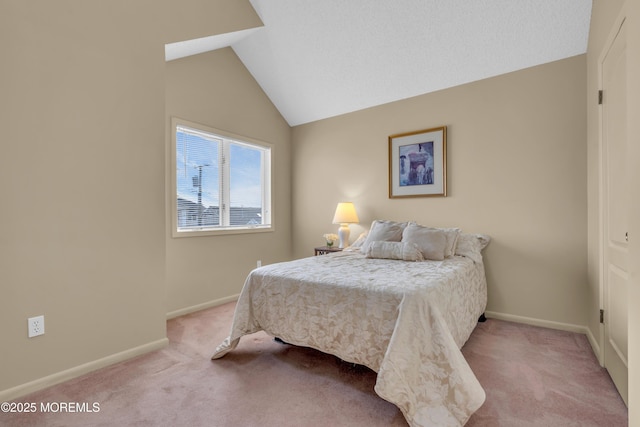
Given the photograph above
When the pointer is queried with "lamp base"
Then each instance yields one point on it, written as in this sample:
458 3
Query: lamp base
343 234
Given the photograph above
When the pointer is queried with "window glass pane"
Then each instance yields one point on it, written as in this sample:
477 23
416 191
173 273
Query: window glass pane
222 184
197 179
246 177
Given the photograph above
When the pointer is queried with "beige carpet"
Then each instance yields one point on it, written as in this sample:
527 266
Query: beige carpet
532 376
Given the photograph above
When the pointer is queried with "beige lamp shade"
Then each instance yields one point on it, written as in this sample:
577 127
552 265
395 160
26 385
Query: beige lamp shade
345 214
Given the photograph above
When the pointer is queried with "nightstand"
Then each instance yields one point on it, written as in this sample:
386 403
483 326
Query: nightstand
323 250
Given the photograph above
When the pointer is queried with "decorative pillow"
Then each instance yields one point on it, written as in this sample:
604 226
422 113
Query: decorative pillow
359 241
471 246
452 240
394 250
383 231
431 242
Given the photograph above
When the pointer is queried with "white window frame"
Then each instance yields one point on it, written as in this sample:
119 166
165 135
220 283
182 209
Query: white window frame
267 180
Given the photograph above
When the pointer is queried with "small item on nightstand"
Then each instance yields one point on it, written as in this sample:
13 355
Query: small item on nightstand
323 250
330 239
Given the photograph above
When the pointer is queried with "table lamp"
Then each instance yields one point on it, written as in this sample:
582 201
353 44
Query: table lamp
345 215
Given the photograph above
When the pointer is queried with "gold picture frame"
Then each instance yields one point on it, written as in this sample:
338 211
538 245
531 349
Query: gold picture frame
418 163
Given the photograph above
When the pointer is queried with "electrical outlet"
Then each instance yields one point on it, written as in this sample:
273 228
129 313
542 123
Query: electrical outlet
259 263
36 326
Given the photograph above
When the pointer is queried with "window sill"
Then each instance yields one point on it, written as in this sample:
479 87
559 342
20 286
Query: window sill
222 231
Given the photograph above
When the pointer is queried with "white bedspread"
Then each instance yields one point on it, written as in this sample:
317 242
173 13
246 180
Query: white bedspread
405 320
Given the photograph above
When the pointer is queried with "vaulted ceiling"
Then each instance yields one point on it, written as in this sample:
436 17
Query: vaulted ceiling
321 58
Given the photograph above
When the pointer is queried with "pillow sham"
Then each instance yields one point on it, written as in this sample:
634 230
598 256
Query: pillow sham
431 242
471 245
452 238
383 231
394 250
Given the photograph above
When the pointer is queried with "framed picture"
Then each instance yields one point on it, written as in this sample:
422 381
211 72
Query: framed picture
418 163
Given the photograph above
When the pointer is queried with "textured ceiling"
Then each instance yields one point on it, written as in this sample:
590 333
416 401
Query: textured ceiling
318 59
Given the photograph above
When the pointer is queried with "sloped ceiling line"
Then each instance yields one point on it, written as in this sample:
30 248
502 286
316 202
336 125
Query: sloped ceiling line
319 59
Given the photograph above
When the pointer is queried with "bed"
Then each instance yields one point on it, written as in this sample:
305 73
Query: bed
407 320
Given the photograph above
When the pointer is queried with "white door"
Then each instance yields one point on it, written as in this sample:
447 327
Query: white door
615 192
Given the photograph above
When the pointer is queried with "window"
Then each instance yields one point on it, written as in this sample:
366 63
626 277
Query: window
222 182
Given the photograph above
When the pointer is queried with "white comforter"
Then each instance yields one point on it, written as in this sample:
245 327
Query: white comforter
405 320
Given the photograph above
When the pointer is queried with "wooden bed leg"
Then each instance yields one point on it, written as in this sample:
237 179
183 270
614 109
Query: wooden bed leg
482 318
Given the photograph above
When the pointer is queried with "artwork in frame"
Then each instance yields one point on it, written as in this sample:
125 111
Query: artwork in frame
418 163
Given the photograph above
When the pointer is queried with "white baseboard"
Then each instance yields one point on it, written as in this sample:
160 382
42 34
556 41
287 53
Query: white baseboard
41 383
537 322
198 307
551 325
597 350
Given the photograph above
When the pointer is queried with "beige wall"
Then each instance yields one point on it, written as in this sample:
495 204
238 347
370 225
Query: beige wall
216 90
191 19
82 173
83 153
516 171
